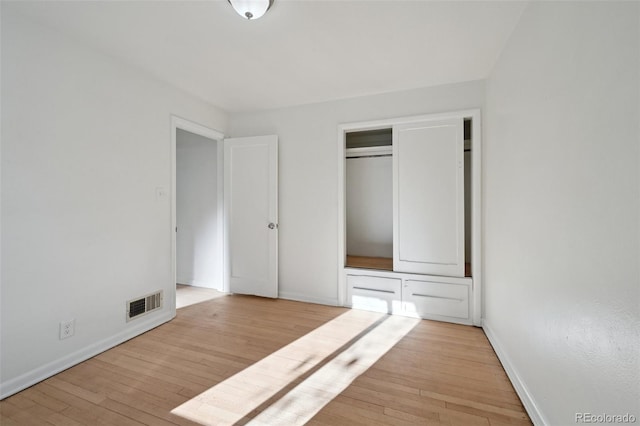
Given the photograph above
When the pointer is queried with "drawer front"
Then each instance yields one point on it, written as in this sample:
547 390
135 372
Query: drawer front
374 293
427 298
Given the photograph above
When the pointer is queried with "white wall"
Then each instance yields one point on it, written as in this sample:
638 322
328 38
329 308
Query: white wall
85 143
562 279
369 206
308 143
198 255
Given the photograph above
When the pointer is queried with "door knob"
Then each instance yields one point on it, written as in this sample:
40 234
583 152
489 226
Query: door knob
272 225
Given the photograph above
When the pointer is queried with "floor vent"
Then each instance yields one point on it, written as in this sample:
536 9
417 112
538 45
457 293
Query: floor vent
144 305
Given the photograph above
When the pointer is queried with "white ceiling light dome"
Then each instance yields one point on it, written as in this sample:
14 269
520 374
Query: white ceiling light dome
251 9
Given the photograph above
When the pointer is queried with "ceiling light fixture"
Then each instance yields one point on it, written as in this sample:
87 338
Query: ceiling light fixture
251 9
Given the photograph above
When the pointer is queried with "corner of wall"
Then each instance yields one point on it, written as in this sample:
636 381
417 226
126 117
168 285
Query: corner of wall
516 380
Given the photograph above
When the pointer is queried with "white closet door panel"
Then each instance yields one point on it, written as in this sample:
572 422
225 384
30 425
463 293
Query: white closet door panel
429 197
251 202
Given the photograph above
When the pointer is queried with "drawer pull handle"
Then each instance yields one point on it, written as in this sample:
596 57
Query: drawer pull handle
374 289
438 297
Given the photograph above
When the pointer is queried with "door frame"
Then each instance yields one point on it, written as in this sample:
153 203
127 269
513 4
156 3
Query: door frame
218 138
476 198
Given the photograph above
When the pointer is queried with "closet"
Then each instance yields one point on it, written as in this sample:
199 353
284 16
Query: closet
369 199
408 243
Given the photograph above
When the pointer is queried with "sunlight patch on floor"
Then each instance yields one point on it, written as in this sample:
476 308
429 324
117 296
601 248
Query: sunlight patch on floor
303 402
332 356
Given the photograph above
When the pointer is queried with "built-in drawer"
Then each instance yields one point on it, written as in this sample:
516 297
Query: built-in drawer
431 298
374 293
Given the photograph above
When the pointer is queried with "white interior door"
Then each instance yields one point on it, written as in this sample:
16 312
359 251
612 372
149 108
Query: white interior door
251 214
428 176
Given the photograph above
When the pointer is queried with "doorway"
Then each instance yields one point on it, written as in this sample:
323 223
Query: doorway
197 206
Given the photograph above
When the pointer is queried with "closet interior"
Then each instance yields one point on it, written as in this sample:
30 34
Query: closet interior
411 202
369 199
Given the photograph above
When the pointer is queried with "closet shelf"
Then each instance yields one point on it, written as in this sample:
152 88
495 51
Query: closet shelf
384 263
369 151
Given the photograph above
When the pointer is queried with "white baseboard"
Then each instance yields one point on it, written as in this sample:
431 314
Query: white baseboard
39 374
527 399
304 298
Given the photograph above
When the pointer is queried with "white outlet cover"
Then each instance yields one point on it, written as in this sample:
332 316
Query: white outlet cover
161 192
67 328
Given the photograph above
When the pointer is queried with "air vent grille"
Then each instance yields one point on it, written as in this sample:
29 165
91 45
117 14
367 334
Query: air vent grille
144 305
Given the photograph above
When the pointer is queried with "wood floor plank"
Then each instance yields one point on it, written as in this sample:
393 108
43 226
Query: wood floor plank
412 419
40 398
33 415
134 381
464 402
7 421
510 419
504 399
341 413
59 419
143 411
437 374
79 391
409 404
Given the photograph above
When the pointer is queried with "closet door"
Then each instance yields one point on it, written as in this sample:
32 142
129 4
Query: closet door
428 197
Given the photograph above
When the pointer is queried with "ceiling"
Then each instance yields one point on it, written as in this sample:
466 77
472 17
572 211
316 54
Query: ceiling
300 52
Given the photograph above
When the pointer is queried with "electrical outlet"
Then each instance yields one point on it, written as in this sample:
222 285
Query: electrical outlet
161 193
67 328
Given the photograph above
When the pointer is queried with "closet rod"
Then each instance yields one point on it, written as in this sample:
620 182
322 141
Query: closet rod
369 156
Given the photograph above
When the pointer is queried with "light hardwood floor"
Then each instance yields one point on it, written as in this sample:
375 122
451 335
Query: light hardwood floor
248 360
187 295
